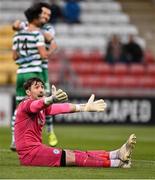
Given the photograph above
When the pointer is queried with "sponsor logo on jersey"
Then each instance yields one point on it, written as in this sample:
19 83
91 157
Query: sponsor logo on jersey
56 151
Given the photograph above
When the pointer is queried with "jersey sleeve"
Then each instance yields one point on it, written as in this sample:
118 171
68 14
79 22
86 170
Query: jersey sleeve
23 25
55 109
49 29
40 40
52 31
34 106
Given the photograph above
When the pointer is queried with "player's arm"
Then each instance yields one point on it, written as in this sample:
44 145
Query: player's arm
45 54
53 47
15 55
19 25
49 38
42 49
49 34
38 105
40 42
16 25
90 106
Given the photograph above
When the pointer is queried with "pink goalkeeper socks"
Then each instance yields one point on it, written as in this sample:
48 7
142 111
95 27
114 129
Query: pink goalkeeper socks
99 153
88 159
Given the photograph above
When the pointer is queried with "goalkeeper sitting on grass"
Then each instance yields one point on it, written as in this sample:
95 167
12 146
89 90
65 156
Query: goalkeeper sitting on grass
30 120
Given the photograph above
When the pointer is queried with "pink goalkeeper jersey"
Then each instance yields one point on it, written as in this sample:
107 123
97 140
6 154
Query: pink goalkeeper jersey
30 119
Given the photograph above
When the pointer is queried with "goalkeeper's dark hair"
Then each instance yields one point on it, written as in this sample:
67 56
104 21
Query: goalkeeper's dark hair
31 81
35 10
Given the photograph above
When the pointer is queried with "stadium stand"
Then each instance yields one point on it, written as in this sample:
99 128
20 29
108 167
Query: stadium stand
142 14
7 66
3 78
79 64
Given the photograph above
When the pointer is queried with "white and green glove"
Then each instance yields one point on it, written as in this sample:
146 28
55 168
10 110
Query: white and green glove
57 96
92 106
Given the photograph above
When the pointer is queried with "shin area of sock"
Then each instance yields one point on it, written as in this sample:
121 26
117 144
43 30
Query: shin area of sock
99 153
84 159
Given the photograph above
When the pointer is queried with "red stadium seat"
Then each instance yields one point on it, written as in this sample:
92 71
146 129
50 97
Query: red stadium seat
87 81
150 69
96 56
54 78
129 81
55 67
99 81
138 82
111 81
120 69
83 68
103 68
78 56
149 58
147 82
137 69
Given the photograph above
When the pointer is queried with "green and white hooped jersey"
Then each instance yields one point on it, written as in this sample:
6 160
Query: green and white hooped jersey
45 28
26 44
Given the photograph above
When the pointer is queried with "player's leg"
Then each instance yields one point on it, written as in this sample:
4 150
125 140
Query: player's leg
20 95
42 156
117 158
85 159
123 153
12 145
52 139
100 153
46 81
112 156
48 156
49 119
105 154
126 149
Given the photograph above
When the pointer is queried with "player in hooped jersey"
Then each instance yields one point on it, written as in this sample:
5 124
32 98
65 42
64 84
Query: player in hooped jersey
30 119
28 58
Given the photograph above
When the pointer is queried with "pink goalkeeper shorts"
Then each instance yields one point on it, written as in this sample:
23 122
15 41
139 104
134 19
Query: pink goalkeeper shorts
41 156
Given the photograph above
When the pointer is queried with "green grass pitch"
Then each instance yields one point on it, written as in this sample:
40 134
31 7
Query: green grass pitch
86 137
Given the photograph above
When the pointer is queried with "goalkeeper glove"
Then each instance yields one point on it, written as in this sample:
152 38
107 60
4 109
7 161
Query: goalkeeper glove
92 106
57 96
